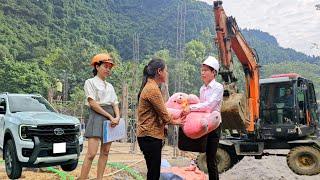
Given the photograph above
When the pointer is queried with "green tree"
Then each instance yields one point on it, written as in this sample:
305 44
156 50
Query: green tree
21 77
195 52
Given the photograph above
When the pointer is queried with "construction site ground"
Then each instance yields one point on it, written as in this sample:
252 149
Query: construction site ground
119 156
269 167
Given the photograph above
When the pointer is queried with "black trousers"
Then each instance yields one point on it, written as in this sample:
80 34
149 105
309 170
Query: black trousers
151 148
211 150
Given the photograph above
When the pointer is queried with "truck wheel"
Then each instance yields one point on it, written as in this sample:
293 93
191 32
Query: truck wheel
223 161
304 160
70 167
13 166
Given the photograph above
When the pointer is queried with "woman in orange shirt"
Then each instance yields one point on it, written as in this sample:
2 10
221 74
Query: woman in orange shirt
153 116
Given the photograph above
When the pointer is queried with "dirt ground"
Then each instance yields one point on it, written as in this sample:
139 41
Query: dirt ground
267 168
119 153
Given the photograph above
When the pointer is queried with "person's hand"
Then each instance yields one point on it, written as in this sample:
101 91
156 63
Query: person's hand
117 120
180 121
185 111
114 121
183 119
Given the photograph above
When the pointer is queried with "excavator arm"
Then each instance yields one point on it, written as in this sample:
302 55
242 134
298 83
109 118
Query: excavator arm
228 38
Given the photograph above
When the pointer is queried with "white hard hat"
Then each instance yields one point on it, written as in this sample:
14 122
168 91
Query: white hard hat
212 62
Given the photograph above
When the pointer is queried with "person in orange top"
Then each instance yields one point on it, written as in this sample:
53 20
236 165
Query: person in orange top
153 116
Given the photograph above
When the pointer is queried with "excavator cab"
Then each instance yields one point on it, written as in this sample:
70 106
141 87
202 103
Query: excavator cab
288 107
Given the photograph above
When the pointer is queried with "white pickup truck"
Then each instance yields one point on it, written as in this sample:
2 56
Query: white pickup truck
33 134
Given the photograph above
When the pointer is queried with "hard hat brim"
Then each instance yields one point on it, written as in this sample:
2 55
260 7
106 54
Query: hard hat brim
105 61
209 65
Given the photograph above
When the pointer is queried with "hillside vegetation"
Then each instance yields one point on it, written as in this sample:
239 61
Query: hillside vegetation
41 40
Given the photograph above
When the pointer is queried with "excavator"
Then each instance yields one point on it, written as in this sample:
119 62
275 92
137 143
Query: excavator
276 113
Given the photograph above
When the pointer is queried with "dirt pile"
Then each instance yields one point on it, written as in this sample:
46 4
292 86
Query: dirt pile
234 112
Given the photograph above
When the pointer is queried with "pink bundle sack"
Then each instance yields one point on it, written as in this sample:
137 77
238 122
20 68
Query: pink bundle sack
196 124
186 173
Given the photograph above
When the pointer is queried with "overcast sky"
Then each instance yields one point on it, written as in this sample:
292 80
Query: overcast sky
295 23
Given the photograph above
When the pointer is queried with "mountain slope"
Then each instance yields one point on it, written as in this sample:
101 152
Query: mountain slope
269 50
31 29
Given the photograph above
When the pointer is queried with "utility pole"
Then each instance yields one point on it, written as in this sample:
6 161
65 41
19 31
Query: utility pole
180 56
135 47
180 41
134 86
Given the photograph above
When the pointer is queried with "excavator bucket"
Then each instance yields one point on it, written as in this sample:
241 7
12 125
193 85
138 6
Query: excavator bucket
234 112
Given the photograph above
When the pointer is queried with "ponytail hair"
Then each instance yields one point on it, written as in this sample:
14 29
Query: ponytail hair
94 70
150 71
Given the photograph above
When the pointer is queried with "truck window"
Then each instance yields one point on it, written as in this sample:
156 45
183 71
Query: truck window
277 103
312 96
29 104
312 103
302 101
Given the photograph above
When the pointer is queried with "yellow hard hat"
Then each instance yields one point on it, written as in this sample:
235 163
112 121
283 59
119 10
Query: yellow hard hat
104 57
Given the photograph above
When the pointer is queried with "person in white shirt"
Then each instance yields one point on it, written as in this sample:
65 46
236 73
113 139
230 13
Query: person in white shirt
103 105
211 96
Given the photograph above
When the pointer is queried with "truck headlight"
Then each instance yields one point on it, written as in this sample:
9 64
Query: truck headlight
292 131
24 132
78 129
